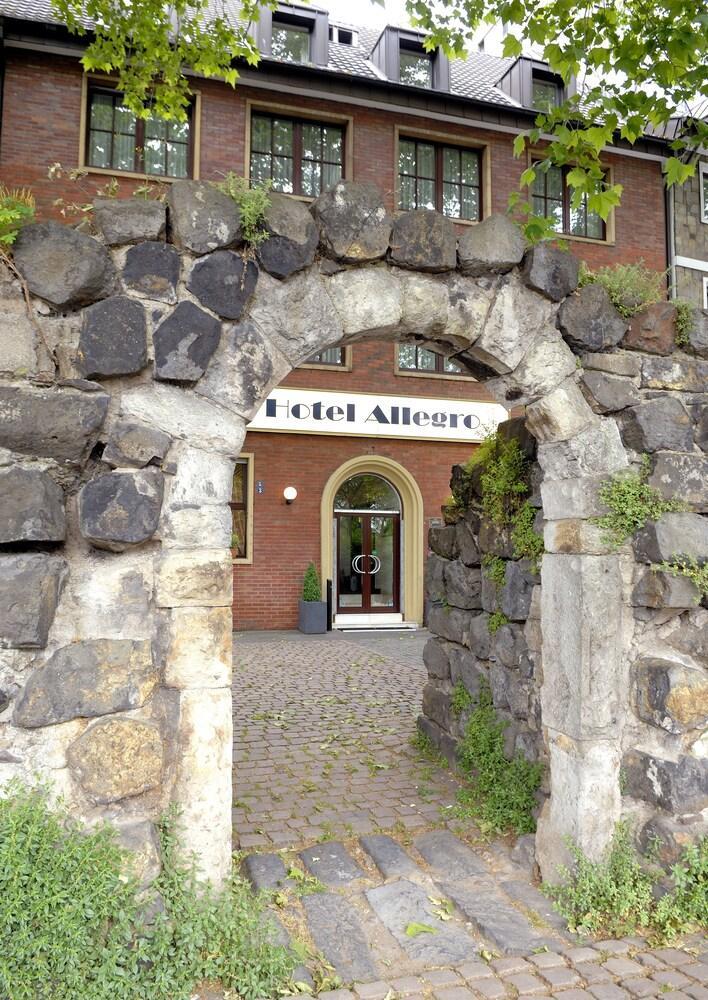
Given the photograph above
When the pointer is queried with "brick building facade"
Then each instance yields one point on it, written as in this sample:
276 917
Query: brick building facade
363 93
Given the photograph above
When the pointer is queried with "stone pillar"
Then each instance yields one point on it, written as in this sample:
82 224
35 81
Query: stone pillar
194 586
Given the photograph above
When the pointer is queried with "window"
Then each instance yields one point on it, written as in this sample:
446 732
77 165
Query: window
117 140
298 157
703 190
545 93
415 68
345 36
444 178
705 293
419 359
551 198
240 509
290 42
333 356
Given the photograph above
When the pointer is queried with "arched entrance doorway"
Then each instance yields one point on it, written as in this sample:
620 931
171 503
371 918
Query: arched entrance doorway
361 491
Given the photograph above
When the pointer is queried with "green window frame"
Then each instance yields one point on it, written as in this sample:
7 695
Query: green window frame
412 358
441 177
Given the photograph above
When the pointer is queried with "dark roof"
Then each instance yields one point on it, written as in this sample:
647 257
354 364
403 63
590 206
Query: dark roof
474 77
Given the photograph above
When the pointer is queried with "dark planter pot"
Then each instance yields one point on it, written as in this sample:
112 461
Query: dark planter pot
313 617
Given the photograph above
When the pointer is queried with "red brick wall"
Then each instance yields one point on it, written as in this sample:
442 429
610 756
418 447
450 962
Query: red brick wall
41 124
287 537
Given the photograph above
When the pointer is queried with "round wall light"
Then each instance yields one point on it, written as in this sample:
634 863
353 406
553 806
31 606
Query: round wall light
290 493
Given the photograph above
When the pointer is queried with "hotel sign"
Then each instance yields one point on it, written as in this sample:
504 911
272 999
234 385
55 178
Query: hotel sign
317 411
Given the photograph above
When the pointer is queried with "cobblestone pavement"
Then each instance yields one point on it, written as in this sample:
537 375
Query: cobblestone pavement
323 766
322 730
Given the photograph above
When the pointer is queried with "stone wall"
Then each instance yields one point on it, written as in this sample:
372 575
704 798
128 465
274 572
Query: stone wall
691 237
131 360
603 672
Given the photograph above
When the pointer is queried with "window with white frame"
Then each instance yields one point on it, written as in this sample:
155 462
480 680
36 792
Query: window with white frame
703 189
705 293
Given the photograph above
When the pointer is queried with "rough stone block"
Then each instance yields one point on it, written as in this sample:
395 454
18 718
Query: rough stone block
121 509
199 648
224 282
62 266
113 338
478 637
685 374
550 271
589 321
117 759
425 303
562 414
129 220
671 695
617 363
337 932
266 872
202 218
575 536
597 449
701 429
495 245
367 302
135 445
31 506
582 652
388 856
85 680
449 856
466 537
672 534
653 329
153 270
466 669
297 317
435 579
669 838
572 498
698 334
436 705
654 589
450 623
463 585
506 338
184 344
185 415
495 540
494 918
424 241
202 578
469 302
354 224
658 424
293 237
608 393
401 903
17 335
544 366
682 477
442 539
30 586
332 864
202 527
679 786
56 423
141 840
436 658
509 645
515 595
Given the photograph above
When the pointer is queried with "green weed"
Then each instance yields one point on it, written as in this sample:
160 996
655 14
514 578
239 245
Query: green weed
632 502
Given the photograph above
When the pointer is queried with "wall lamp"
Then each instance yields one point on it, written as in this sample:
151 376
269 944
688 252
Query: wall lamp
290 493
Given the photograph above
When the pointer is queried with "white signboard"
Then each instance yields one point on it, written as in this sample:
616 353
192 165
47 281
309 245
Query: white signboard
317 411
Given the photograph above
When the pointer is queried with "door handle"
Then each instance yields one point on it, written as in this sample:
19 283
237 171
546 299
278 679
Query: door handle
356 565
377 564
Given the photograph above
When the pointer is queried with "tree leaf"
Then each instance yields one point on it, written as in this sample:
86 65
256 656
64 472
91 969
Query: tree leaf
414 929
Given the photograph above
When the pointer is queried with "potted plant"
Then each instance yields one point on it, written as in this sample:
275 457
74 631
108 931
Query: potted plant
313 610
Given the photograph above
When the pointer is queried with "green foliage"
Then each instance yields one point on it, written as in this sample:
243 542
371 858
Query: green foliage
72 925
460 699
685 318
637 65
630 287
632 503
500 794
16 210
311 589
495 569
503 481
614 897
253 203
527 542
427 750
495 621
150 45
689 567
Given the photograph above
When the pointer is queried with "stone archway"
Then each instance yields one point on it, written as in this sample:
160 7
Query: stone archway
143 361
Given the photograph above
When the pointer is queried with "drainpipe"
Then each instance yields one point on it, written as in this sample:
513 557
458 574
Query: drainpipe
671 238
2 77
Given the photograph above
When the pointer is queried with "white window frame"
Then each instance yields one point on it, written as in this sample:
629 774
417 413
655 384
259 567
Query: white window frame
703 190
705 293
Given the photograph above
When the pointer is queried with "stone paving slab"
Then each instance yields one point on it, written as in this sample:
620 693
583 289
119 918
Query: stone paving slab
332 864
388 855
266 871
494 918
337 932
448 855
401 905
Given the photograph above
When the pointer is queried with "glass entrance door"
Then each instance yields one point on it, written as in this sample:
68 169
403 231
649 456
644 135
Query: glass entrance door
368 559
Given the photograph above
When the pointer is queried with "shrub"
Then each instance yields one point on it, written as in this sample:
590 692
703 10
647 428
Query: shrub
460 700
311 589
16 210
501 789
630 287
615 896
253 203
632 503
72 924
685 319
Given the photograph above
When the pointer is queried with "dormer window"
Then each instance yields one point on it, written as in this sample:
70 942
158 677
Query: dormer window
415 67
546 92
290 42
344 36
